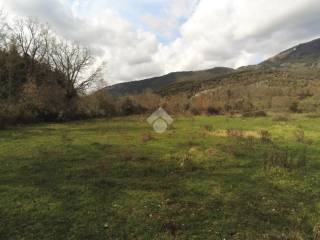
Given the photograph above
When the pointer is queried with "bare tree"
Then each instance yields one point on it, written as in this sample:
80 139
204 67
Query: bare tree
35 41
3 29
32 39
73 61
96 80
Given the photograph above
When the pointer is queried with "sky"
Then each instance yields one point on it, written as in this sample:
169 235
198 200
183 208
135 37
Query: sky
144 38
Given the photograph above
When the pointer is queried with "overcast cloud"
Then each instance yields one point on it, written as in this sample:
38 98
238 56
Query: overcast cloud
145 38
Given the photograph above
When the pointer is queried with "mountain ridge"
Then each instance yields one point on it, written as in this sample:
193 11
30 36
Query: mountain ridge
304 55
156 83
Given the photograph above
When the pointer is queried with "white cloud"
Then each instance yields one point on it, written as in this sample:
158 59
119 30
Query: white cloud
127 51
167 23
213 33
238 32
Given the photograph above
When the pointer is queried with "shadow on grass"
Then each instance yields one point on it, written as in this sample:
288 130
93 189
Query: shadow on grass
98 191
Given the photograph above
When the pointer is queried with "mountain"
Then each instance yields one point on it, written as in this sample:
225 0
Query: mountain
297 64
159 83
302 55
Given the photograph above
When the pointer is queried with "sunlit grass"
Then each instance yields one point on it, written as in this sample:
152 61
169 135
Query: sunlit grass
117 179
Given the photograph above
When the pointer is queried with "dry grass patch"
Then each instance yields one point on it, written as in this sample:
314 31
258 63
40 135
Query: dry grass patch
316 232
236 133
147 137
211 152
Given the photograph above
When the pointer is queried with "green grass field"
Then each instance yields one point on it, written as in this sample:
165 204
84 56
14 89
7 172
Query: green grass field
205 178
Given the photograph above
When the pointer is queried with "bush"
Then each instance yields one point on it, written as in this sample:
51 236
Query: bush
204 105
281 118
187 163
302 158
128 106
313 115
10 114
255 114
300 136
277 157
208 128
147 100
2 120
265 136
176 104
99 104
213 110
294 107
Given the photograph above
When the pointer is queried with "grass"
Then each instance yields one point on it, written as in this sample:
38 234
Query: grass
117 179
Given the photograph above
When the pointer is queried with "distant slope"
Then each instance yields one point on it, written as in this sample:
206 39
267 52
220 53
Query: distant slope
302 55
296 62
159 83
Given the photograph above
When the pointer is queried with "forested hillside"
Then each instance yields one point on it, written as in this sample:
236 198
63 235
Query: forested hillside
42 75
163 82
288 82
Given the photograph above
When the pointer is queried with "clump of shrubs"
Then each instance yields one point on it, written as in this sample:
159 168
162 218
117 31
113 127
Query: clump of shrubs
294 107
265 136
277 157
313 115
255 114
281 118
3 117
128 106
211 110
207 127
99 104
187 163
300 136
205 105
